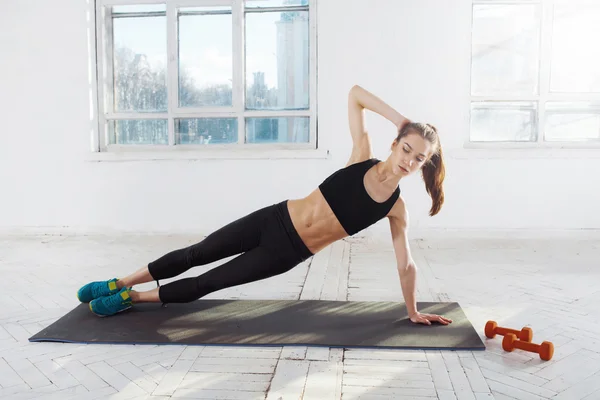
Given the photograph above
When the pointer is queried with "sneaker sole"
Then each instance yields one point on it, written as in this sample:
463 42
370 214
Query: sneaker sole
102 316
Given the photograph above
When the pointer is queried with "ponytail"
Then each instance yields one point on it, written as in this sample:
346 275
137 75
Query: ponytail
433 170
434 173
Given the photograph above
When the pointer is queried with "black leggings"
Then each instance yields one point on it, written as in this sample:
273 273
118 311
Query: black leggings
269 243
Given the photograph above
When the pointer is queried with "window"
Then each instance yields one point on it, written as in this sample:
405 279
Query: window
206 74
535 72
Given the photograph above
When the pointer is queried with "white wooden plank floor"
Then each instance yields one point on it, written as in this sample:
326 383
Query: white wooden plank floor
550 285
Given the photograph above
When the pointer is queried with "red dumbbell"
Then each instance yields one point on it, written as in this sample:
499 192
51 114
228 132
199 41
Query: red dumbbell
492 329
545 350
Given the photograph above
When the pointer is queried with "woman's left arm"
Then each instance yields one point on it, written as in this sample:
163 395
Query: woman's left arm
407 270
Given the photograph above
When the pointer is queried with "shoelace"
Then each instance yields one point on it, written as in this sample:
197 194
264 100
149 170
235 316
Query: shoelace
114 300
97 290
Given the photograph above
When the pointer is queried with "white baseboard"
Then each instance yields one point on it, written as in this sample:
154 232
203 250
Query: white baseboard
81 231
375 234
495 233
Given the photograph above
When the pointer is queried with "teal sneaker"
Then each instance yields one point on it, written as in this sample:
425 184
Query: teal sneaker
111 305
94 290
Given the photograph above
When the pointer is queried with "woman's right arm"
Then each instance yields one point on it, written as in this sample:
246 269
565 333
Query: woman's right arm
363 99
358 100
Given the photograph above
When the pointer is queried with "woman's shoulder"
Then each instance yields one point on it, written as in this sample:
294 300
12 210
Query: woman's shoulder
399 209
356 161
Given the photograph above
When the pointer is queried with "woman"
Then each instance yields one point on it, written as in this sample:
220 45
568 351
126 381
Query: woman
276 238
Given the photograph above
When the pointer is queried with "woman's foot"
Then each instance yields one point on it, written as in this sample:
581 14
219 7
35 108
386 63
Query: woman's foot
111 305
95 290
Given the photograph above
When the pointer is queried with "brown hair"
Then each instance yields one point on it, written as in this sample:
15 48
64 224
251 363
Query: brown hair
433 170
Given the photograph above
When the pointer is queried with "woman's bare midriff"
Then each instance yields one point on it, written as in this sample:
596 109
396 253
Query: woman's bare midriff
315 222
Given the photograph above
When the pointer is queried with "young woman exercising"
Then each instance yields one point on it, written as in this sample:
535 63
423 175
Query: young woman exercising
276 238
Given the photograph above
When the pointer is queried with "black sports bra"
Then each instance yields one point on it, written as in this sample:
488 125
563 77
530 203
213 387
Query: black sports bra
345 193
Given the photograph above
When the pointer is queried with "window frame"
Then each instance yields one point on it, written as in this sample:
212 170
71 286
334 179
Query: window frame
546 10
102 95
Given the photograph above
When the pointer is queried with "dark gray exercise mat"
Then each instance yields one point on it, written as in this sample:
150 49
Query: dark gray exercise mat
269 322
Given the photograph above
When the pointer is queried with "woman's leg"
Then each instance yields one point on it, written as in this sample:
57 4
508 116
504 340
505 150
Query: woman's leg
277 249
254 265
280 249
234 238
142 275
151 296
257 264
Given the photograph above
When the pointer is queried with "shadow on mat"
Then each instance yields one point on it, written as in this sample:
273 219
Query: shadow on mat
271 322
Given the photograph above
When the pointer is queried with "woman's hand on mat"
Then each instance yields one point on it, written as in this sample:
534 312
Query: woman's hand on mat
427 319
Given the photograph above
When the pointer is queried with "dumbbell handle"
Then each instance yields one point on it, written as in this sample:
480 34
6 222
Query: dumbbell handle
505 331
527 346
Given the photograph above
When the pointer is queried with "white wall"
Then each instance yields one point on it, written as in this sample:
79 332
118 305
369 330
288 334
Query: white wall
412 54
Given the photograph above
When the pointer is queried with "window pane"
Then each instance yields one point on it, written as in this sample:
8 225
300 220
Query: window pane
277 60
575 65
503 121
206 131
505 49
142 131
140 59
275 3
572 121
205 59
278 130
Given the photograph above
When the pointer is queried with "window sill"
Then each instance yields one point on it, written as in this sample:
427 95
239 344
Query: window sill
513 150
143 153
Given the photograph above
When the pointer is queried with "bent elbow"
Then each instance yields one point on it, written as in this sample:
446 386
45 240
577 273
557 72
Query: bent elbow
353 90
